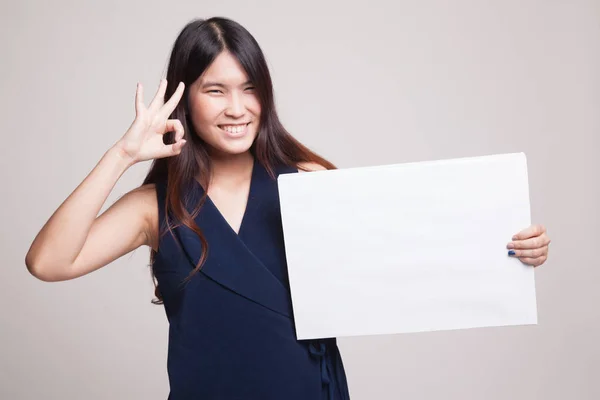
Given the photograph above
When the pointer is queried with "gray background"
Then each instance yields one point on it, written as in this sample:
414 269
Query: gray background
363 84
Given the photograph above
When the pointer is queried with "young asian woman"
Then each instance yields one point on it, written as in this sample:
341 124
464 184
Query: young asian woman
209 212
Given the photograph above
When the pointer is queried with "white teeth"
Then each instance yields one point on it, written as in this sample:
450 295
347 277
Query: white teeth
233 128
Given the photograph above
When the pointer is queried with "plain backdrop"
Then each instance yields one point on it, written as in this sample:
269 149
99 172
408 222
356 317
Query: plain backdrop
362 83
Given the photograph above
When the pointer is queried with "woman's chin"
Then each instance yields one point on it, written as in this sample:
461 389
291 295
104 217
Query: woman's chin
233 148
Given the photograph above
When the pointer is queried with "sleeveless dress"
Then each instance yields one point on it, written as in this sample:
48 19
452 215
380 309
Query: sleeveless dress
231 327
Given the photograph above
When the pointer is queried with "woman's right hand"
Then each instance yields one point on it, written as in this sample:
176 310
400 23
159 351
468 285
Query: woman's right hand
144 138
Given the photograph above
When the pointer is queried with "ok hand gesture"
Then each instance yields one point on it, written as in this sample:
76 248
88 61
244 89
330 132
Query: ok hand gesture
144 138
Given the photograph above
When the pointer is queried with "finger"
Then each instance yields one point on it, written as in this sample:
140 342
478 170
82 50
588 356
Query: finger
170 105
530 253
175 125
531 243
533 230
174 149
535 262
139 99
159 97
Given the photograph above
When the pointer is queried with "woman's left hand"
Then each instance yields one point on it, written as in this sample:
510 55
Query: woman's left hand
530 245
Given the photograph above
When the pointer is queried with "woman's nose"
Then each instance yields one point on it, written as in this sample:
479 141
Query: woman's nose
236 107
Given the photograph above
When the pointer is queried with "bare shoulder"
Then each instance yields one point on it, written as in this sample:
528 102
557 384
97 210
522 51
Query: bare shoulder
144 194
310 166
144 198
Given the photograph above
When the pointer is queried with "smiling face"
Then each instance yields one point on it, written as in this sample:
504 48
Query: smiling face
224 107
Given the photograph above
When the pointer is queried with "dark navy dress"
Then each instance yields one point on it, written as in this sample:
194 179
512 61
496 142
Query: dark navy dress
231 328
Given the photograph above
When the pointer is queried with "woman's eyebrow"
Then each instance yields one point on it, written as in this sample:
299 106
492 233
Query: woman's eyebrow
207 84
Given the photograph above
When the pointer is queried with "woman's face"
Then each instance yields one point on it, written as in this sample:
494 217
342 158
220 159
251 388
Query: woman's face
224 107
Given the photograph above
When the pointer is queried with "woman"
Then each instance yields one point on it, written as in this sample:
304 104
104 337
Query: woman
209 210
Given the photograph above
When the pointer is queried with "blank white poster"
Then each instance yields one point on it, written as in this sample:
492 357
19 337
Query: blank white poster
408 247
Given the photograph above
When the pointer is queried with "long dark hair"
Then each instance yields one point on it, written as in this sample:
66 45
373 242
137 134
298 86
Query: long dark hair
196 47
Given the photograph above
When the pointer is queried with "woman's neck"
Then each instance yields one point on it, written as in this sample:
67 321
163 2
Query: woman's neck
232 168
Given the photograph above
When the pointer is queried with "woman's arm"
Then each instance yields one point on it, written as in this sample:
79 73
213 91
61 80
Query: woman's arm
75 242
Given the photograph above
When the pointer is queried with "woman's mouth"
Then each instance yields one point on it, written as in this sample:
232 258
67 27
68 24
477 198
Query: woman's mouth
235 131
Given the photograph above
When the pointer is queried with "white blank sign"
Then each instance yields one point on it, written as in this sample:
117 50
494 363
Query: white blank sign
407 248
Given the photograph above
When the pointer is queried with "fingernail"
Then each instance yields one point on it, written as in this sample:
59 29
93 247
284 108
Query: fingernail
511 253
514 237
510 246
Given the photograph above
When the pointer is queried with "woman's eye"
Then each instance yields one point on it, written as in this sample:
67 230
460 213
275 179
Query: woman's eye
250 88
214 91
